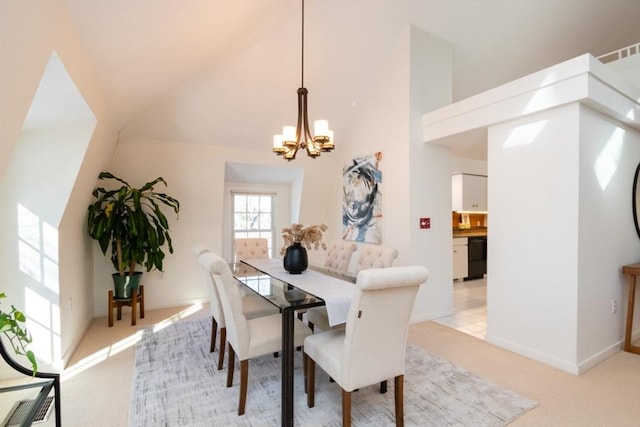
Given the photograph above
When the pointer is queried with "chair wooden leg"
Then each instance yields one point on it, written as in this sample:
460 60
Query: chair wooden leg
383 387
141 302
346 408
399 399
304 370
214 332
311 381
311 326
244 376
230 366
110 308
223 344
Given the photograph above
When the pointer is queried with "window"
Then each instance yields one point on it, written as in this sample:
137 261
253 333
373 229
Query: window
253 217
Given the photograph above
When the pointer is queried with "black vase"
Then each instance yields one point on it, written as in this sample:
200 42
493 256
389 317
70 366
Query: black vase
295 259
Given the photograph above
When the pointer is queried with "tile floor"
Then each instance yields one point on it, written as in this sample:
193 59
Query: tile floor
470 308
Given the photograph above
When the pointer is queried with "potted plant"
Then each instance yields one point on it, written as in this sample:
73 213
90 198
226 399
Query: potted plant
297 239
130 221
19 337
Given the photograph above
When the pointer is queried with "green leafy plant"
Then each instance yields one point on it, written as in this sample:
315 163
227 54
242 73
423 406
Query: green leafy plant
19 337
131 222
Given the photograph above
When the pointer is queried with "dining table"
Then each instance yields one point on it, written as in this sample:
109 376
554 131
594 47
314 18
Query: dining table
291 293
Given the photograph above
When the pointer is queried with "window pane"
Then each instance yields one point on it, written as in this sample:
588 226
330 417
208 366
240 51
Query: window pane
253 217
265 221
239 203
265 204
253 222
253 203
240 221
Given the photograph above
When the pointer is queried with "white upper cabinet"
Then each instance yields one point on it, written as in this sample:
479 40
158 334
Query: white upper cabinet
469 193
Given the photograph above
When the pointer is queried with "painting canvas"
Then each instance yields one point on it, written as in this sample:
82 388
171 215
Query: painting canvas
361 199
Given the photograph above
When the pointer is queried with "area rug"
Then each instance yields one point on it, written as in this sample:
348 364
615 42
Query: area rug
176 383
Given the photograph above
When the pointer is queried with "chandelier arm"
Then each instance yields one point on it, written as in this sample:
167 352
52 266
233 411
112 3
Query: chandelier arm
307 142
305 118
302 111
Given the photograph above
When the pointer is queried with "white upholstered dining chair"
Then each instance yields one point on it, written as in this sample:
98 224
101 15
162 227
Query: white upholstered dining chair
375 256
248 338
355 357
252 305
250 248
369 256
199 249
339 254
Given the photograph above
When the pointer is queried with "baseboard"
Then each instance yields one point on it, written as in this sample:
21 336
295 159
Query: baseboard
597 358
66 357
554 362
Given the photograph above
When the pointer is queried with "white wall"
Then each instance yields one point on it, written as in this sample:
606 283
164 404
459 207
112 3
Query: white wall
31 32
629 68
431 74
533 260
609 155
561 235
470 166
35 192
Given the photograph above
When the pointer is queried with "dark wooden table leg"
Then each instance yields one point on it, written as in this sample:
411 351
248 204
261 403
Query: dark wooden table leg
287 366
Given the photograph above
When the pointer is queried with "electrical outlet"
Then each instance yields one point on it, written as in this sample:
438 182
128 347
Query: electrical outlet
614 306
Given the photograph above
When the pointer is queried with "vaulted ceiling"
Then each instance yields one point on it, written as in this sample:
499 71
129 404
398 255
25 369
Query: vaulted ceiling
226 71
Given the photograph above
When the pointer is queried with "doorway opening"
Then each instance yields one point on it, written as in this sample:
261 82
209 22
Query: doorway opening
469 308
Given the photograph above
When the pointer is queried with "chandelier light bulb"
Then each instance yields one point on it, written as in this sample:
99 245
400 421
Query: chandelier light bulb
289 133
321 128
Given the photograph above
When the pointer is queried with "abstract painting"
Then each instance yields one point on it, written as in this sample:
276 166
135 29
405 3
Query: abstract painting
361 199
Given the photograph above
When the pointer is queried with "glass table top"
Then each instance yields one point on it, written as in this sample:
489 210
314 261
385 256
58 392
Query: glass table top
278 292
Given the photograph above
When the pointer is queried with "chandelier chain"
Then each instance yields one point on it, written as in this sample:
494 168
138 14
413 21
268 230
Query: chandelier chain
302 71
299 137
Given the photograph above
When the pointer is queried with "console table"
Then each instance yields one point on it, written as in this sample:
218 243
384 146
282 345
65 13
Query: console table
36 400
631 271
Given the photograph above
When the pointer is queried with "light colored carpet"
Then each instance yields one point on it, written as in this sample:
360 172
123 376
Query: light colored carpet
176 383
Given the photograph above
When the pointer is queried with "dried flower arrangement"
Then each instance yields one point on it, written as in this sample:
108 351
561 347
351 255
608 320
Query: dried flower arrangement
309 237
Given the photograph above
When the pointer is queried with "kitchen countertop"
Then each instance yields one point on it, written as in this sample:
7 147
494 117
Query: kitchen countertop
470 232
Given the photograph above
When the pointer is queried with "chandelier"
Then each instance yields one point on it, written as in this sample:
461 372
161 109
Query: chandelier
293 138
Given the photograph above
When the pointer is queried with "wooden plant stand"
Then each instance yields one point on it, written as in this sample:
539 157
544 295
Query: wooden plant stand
136 298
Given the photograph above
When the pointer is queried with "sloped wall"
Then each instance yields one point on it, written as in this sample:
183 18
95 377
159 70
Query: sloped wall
31 32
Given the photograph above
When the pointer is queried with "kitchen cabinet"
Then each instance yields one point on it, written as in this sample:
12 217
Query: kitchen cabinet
468 193
460 258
